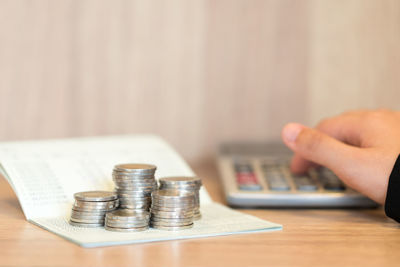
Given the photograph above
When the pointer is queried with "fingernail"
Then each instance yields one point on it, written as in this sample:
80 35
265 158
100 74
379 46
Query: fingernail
291 131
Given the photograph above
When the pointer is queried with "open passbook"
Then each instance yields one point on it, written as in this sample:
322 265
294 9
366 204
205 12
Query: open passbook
46 174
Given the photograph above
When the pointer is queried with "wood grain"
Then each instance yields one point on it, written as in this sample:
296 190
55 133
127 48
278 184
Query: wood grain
195 72
309 238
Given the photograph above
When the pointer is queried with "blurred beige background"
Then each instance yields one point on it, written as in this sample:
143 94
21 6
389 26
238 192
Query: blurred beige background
195 72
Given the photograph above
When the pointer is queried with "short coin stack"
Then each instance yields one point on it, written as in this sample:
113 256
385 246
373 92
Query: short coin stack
125 220
192 184
172 209
90 208
134 184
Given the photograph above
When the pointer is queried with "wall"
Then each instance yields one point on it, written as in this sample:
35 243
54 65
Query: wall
195 72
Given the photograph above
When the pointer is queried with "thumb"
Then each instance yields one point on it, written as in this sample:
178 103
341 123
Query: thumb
318 147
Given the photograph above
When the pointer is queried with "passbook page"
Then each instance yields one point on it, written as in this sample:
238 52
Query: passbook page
46 174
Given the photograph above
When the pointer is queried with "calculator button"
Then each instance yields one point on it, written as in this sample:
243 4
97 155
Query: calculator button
246 177
330 181
277 183
243 168
304 183
275 177
248 182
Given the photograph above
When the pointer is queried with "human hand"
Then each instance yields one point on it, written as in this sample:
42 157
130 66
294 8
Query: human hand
360 147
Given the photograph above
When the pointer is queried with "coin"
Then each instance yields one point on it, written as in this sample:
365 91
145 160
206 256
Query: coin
155 209
95 196
192 184
127 219
171 228
172 215
134 184
182 180
95 206
86 213
126 229
92 221
88 217
172 194
87 225
136 167
127 224
169 221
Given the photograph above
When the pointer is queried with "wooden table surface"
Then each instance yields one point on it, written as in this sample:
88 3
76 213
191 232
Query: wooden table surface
309 237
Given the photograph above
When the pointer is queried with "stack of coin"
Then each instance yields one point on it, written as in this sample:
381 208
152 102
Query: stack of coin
172 209
134 184
192 184
126 220
91 207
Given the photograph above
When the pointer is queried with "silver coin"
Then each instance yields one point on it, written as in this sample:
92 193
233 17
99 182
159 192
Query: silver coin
129 220
142 186
138 194
87 217
181 180
95 196
83 205
161 201
178 206
87 221
172 228
171 194
153 223
171 214
130 184
86 209
126 224
134 207
154 215
168 209
135 187
134 202
193 189
133 174
95 208
127 214
136 210
156 206
88 213
126 229
86 225
169 220
79 203
127 176
136 167
134 179
197 217
179 186
133 198
134 190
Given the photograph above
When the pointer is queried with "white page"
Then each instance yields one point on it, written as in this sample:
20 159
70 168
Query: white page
46 174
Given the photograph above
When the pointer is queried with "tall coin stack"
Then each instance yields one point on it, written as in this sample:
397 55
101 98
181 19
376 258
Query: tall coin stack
192 184
172 209
127 221
134 184
90 208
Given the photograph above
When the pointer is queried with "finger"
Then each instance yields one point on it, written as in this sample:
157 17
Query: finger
345 127
300 165
318 147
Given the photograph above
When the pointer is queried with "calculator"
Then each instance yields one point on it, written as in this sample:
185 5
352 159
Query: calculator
258 175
